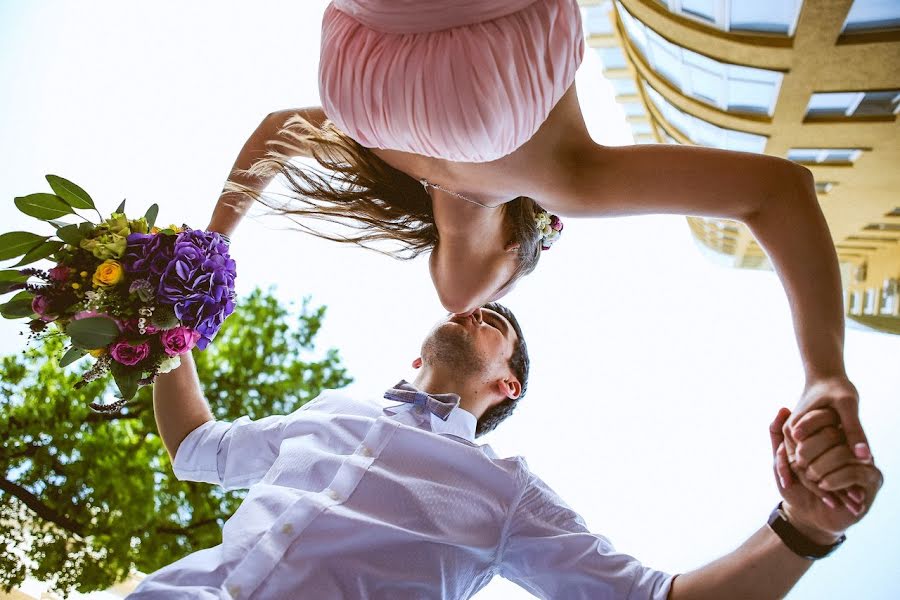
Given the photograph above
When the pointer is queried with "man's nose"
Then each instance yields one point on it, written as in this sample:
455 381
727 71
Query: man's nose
477 314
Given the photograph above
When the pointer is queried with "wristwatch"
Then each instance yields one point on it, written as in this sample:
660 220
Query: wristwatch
797 542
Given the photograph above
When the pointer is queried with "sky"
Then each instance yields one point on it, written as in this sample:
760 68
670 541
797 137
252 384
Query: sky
655 372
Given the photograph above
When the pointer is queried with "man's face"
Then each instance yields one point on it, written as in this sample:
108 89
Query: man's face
480 343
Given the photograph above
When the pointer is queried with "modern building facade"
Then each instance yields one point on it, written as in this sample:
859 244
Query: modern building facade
814 81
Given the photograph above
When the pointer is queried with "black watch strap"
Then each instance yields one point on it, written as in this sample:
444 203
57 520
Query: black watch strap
797 542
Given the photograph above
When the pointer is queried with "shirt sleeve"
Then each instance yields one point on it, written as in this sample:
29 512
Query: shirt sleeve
236 454
550 552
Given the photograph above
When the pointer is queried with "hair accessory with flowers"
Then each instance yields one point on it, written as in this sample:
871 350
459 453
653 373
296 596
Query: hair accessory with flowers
549 226
133 296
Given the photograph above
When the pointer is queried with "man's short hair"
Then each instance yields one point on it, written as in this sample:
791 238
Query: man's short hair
519 363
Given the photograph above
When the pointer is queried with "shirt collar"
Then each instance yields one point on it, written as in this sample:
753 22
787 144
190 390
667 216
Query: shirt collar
460 423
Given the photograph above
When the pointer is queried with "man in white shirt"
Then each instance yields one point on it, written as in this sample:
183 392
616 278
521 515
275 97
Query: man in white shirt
367 498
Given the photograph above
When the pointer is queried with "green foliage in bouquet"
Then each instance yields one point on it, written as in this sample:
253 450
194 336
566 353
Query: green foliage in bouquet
131 295
86 497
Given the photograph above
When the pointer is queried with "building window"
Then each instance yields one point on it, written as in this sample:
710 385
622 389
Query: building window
890 295
823 187
769 16
641 128
882 227
854 104
704 133
871 300
633 109
624 86
596 19
726 86
824 155
612 57
868 15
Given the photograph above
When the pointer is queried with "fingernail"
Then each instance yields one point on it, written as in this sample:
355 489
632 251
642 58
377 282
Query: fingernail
783 483
853 509
828 502
862 451
856 496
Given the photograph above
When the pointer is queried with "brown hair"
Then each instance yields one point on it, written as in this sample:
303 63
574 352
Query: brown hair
519 363
373 201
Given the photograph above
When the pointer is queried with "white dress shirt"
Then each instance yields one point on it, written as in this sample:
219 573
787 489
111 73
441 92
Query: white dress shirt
362 498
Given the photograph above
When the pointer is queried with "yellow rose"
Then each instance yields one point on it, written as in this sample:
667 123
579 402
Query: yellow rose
108 273
97 352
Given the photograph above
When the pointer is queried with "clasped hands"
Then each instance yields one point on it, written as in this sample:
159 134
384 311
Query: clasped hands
823 467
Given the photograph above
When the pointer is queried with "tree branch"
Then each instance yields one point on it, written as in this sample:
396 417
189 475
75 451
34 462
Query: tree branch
39 508
99 417
186 528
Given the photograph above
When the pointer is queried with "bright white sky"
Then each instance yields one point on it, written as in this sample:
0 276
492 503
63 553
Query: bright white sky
655 372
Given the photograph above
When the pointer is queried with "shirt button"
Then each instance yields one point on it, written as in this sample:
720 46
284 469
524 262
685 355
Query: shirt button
332 494
365 452
234 590
287 529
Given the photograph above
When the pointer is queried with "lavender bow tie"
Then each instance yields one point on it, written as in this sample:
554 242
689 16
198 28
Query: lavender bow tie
439 405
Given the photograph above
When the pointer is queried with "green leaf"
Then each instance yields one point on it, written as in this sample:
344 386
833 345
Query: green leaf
9 280
19 306
18 243
38 252
71 193
151 214
71 355
126 380
92 332
70 234
121 208
43 206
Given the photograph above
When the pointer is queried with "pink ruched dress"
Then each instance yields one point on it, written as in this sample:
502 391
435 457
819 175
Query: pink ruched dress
460 80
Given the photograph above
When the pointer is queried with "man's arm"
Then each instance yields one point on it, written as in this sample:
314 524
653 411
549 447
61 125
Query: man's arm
178 404
232 205
764 567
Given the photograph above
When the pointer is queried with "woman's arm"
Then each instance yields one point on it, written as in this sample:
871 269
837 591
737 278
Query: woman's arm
178 404
232 206
774 197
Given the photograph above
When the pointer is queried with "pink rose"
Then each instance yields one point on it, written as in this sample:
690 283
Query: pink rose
178 340
129 354
59 273
41 305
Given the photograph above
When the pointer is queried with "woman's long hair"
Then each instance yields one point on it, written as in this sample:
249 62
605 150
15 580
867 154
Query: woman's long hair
373 201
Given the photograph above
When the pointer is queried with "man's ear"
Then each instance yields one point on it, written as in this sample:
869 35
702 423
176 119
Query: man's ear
510 387
417 364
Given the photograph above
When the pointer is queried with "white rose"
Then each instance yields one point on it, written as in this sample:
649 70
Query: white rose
169 364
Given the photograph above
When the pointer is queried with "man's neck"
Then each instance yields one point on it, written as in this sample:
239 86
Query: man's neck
471 394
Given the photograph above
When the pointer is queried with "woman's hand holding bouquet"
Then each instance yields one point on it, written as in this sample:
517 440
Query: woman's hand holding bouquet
132 295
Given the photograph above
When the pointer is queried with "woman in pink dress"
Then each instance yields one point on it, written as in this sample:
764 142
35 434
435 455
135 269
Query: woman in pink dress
453 126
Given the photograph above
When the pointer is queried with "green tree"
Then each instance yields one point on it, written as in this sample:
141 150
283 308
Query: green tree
86 496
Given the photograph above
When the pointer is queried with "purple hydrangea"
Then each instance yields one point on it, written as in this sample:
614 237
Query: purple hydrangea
148 255
199 282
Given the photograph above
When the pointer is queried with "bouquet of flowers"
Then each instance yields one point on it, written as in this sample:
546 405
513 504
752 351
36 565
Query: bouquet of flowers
132 295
